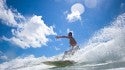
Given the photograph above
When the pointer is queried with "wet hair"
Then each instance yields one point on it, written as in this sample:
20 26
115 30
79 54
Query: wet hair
70 34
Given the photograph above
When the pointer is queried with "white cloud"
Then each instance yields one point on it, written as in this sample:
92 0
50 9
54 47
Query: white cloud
30 32
7 15
91 3
76 11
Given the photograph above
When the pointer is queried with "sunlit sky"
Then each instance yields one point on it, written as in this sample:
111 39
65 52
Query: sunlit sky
29 27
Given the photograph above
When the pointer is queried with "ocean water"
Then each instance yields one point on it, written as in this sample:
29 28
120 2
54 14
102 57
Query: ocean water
105 50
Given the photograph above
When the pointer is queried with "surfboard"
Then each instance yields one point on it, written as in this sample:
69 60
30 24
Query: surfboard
60 63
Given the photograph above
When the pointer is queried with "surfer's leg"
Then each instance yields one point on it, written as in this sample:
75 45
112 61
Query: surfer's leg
74 49
69 52
65 54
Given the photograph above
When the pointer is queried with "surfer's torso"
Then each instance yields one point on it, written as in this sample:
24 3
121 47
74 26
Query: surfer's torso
72 41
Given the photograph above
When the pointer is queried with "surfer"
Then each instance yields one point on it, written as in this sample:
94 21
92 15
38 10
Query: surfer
72 42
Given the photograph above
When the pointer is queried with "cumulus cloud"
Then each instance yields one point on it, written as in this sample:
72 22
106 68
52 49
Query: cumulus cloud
31 33
76 11
7 15
28 32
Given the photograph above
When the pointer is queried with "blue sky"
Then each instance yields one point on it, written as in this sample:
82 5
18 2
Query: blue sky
29 27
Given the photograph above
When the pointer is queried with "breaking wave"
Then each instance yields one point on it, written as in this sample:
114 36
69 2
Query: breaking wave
107 44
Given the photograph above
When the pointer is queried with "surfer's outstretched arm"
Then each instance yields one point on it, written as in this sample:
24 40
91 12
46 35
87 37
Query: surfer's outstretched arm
62 37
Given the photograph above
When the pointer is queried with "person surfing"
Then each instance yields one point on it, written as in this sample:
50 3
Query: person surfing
72 42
